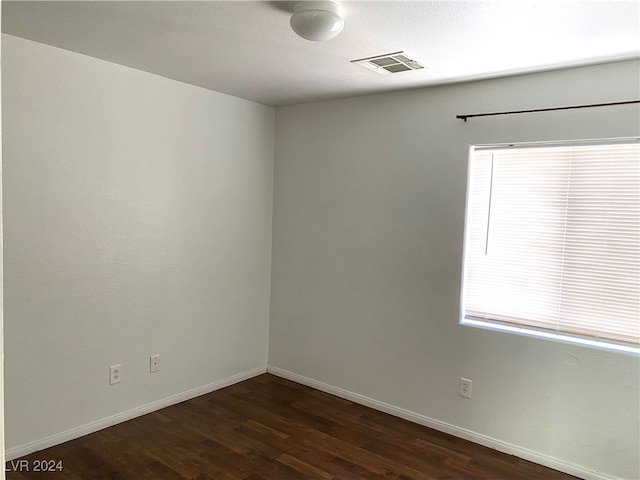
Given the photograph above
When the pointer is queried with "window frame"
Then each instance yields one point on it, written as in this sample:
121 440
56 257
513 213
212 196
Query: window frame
521 329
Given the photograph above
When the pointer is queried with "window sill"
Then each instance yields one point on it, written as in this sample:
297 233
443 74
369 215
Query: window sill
557 337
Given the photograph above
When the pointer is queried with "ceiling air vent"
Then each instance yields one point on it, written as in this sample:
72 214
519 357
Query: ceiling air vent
389 63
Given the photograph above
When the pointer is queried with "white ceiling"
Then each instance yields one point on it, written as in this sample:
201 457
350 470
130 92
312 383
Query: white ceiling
247 49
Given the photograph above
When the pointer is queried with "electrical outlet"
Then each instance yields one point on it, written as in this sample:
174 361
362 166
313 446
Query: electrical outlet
154 363
465 388
114 374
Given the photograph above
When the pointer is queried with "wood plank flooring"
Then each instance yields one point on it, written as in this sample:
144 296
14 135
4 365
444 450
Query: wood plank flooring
268 428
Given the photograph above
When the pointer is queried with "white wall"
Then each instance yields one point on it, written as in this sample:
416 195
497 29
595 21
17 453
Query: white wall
367 246
2 460
137 221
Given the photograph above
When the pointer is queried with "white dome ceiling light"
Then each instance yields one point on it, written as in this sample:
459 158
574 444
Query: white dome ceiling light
316 21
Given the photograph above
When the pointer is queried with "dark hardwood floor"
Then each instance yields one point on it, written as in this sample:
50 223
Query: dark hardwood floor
268 428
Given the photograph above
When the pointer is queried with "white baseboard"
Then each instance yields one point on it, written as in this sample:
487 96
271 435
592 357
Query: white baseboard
26 449
532 456
475 437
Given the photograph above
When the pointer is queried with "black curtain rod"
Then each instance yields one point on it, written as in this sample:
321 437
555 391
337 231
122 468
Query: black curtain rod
464 117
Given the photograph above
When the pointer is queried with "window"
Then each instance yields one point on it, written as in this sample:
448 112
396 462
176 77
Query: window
552 241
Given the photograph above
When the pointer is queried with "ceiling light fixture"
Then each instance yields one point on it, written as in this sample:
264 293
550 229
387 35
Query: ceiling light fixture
316 21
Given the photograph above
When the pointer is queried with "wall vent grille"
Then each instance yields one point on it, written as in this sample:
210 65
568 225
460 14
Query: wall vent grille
389 63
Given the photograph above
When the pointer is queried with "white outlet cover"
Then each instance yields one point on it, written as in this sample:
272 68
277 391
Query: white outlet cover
115 374
465 388
154 363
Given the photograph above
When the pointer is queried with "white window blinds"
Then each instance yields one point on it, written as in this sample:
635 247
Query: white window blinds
553 239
